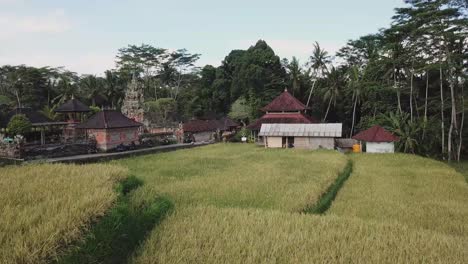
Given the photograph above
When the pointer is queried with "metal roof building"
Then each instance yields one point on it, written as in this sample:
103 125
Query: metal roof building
308 136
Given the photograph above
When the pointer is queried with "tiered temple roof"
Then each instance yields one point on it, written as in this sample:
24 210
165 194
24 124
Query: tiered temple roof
284 109
285 102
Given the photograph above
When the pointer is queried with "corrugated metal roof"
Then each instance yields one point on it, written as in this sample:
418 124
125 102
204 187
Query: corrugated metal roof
301 130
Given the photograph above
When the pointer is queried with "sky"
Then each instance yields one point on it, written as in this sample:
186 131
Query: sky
84 36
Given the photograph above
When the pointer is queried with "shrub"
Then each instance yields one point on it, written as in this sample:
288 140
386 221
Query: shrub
19 125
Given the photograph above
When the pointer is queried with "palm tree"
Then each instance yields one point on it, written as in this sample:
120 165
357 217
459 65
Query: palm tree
114 90
294 72
318 63
354 85
66 90
405 129
49 112
93 86
333 89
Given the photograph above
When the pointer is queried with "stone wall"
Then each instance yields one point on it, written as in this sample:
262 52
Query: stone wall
10 150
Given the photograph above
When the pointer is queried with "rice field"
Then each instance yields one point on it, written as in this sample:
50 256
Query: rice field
410 190
237 175
45 207
233 235
242 204
238 203
462 167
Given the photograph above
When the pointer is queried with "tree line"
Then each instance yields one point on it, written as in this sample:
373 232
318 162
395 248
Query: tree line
409 78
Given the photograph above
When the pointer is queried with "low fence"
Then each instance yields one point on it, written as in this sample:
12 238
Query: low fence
90 158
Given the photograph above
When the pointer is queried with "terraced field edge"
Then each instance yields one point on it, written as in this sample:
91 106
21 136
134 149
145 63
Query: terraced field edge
115 237
327 198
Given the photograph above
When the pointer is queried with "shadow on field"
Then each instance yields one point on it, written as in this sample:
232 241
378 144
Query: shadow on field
115 237
325 201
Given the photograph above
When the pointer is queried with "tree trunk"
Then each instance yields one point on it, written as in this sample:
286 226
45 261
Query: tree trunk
328 109
442 122
18 98
453 116
395 84
425 99
310 94
354 117
425 106
411 96
462 123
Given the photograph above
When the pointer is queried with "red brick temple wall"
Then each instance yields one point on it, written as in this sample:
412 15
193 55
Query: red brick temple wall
107 139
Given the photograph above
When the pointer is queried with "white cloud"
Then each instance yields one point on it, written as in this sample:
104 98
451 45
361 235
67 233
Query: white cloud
82 63
10 2
14 25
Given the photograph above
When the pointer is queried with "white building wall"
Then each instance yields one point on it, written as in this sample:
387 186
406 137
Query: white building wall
321 142
301 142
380 147
203 136
274 142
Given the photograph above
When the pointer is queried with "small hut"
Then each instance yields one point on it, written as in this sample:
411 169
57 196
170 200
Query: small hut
345 144
377 140
111 128
74 109
38 121
209 129
304 136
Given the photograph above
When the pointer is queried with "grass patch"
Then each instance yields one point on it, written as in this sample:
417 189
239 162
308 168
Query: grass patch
327 198
44 207
115 237
406 189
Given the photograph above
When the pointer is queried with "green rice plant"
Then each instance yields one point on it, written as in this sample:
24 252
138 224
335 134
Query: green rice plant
237 175
118 233
234 235
461 167
325 201
406 189
45 207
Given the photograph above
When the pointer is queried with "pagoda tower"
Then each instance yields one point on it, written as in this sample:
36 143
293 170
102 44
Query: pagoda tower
284 109
133 103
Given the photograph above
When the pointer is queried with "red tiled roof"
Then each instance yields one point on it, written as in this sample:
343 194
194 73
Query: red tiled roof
285 102
376 134
109 119
282 118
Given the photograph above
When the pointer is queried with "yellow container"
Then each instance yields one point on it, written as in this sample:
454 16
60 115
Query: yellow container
357 148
